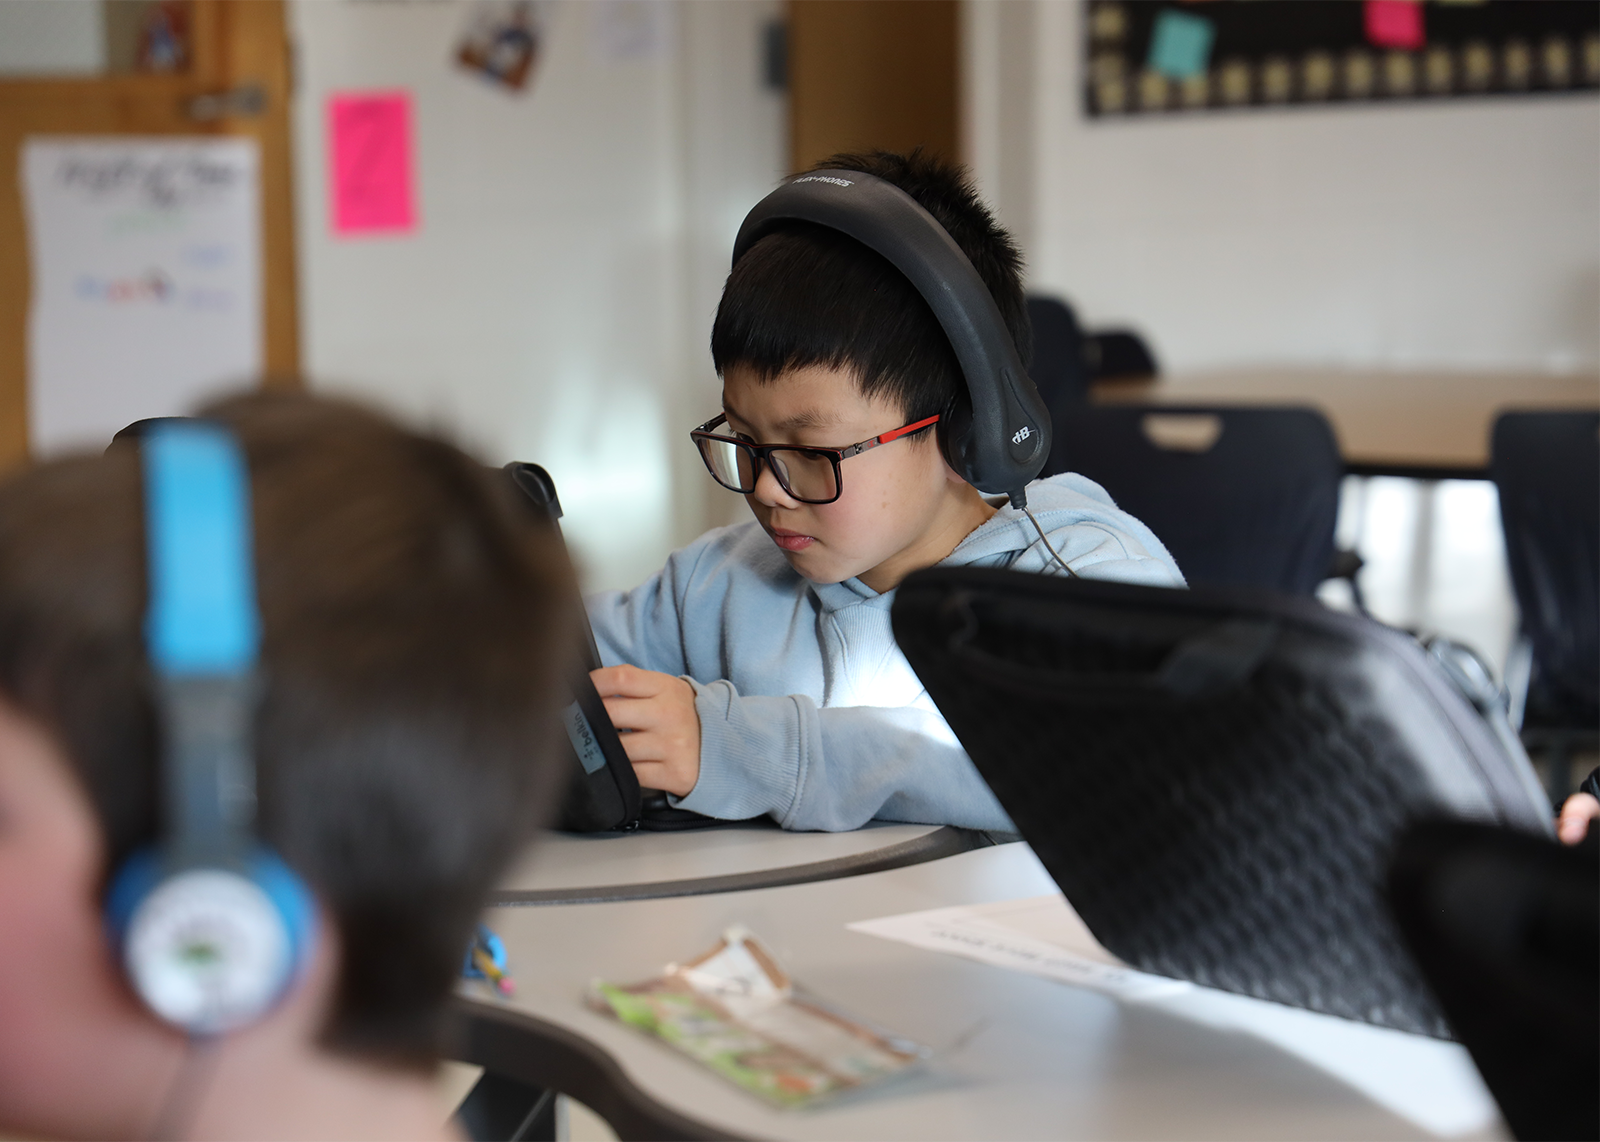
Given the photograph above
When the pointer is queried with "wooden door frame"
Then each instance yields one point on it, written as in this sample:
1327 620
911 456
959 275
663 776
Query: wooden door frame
869 74
234 43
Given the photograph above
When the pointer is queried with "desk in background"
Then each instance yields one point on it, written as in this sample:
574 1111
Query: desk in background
1017 1056
1426 425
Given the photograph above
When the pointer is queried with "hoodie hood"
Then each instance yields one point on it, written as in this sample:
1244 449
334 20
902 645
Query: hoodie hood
1084 525
1097 539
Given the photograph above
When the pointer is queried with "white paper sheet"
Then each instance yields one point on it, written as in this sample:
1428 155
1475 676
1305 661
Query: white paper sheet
1426 1081
145 258
1041 935
626 30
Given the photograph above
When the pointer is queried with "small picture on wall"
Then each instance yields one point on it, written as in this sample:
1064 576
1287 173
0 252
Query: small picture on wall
163 37
143 35
501 42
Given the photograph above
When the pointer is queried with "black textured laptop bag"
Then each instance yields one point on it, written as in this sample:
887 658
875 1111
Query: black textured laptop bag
1216 778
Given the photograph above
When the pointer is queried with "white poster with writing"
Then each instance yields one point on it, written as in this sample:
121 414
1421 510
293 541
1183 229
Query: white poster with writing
146 275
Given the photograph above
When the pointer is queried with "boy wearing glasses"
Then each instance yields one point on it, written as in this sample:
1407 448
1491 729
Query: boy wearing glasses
761 676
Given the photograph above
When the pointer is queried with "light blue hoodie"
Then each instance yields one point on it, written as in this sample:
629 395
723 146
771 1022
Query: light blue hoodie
808 710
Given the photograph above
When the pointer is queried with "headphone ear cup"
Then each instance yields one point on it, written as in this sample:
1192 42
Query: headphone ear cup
210 949
133 884
955 433
294 901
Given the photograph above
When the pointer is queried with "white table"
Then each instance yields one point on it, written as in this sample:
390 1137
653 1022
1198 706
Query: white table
1017 1056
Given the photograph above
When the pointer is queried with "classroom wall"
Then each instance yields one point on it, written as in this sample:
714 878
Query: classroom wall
555 302
1462 234
47 37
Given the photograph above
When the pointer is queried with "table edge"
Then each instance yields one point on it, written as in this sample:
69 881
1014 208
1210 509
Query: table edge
1411 470
546 1055
948 840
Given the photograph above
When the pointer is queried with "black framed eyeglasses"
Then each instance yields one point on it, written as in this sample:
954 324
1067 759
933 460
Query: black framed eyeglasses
810 475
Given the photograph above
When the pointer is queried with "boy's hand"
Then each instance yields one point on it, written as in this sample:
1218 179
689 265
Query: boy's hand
1579 810
659 708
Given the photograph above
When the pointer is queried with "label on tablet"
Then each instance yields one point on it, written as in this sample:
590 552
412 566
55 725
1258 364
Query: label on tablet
581 734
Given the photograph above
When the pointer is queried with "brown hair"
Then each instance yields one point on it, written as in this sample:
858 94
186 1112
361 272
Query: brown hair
414 620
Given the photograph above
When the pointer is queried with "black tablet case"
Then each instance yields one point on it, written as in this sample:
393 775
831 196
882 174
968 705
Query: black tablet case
603 794
1214 778
602 791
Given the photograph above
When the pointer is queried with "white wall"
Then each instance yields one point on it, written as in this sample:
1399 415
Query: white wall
555 304
51 37
1459 234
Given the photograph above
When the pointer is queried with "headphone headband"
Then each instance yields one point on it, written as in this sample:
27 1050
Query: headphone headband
211 925
202 633
1007 440
202 610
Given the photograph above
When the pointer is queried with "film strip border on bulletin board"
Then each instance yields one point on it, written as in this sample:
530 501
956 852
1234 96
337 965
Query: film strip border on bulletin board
1193 55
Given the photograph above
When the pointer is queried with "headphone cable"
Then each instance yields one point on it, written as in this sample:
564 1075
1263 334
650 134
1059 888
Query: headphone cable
1044 539
181 1101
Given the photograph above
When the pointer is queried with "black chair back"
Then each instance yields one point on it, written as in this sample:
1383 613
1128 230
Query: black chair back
1243 496
1546 466
1114 353
1059 369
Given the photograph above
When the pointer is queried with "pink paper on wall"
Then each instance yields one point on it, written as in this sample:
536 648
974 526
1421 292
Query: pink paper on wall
371 162
1394 24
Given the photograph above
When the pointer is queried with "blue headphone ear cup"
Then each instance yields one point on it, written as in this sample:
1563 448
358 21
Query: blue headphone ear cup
132 885
292 913
294 902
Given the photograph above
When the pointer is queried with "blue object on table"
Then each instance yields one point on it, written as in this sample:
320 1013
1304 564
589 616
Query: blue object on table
490 943
1180 44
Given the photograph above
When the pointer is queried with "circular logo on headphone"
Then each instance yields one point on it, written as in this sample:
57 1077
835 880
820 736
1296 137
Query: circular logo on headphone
208 951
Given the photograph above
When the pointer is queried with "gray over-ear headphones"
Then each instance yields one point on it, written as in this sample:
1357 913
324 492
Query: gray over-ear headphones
999 437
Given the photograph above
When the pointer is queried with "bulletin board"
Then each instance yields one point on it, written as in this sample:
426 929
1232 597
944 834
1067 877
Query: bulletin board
1144 58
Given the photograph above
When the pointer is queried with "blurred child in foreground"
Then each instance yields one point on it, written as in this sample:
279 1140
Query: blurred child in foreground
411 620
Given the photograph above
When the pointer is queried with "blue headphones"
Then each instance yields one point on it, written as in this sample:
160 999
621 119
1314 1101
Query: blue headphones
210 925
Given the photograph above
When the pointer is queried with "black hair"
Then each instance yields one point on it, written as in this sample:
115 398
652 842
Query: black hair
413 627
807 295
